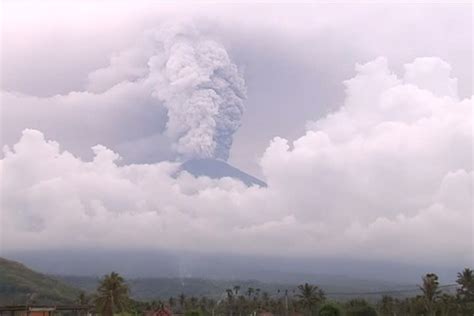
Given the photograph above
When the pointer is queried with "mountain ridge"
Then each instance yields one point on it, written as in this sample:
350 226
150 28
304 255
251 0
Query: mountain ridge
22 285
17 283
216 169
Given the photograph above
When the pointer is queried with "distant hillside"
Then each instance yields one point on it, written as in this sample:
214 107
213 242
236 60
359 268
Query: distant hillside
20 285
139 263
148 289
162 288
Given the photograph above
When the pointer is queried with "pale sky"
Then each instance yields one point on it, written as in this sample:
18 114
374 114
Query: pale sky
358 116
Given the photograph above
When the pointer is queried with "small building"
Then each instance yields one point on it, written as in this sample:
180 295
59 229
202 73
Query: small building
29 310
162 311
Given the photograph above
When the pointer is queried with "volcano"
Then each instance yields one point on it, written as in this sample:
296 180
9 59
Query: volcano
217 169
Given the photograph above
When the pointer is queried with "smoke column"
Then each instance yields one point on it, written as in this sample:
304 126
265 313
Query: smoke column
202 90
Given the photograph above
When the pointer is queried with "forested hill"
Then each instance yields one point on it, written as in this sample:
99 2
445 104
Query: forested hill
21 285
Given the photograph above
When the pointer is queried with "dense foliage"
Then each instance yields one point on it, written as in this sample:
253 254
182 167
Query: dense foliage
20 285
112 295
309 300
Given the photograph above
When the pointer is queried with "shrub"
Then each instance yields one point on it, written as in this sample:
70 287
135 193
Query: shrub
193 312
360 308
330 310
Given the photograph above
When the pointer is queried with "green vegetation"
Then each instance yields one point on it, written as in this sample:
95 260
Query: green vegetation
20 285
330 309
358 307
111 297
431 292
465 292
309 297
311 300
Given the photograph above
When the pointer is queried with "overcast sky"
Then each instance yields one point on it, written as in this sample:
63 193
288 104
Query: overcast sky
358 116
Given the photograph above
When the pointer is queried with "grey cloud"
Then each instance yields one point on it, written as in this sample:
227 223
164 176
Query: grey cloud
202 90
172 74
392 165
378 168
294 59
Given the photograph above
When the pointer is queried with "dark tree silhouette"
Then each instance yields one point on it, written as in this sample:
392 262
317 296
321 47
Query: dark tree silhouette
309 297
112 295
431 292
465 292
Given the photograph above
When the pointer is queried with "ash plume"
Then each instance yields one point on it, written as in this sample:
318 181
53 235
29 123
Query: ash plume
202 90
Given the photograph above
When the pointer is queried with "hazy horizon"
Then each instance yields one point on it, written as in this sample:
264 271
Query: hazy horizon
140 263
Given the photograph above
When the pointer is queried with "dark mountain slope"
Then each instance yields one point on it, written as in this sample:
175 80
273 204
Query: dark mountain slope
20 285
217 169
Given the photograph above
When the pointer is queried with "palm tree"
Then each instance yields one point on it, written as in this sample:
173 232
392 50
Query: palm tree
387 306
236 289
466 281
465 292
112 294
83 300
193 302
172 302
250 291
309 296
230 294
265 301
241 304
182 301
230 300
431 292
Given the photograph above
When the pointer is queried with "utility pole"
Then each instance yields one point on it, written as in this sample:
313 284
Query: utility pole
286 302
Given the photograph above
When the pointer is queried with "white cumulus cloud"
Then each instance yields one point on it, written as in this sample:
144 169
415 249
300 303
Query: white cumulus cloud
388 175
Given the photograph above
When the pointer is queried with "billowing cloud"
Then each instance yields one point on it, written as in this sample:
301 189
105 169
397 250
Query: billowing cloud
202 90
193 78
294 58
384 161
388 175
174 91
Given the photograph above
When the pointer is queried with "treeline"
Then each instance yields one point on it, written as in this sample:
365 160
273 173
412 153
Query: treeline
112 297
